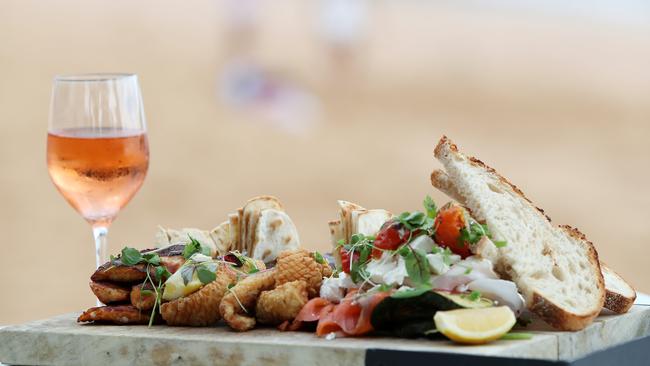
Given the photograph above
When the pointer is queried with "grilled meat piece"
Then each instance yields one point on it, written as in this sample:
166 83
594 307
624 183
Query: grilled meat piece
133 274
117 314
172 263
140 301
119 273
108 293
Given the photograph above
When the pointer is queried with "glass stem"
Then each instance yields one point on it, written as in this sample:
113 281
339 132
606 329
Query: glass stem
101 247
101 244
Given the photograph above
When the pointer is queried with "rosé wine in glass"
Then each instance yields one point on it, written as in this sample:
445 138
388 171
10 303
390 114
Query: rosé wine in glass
97 149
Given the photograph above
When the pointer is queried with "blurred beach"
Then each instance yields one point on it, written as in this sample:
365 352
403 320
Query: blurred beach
314 101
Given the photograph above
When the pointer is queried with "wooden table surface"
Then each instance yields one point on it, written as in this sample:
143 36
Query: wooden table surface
60 340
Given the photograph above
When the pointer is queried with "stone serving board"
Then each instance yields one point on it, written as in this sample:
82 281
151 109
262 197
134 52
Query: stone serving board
61 341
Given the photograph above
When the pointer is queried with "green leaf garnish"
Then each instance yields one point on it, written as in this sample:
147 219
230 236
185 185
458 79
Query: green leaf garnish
187 272
417 266
430 207
205 275
194 246
404 294
162 272
500 243
253 270
130 256
473 234
318 258
151 258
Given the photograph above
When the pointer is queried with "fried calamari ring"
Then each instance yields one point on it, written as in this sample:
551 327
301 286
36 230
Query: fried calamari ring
282 303
239 302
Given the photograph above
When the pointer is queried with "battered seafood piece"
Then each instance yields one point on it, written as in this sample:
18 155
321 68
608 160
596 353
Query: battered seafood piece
108 293
282 303
200 308
301 265
239 302
140 301
117 314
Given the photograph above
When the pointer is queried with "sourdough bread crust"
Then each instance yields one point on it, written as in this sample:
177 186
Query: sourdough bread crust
618 303
446 142
555 315
614 300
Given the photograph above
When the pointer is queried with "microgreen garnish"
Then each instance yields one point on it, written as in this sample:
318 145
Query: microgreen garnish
417 265
131 256
414 292
430 207
318 258
361 244
194 246
230 286
515 336
474 296
473 234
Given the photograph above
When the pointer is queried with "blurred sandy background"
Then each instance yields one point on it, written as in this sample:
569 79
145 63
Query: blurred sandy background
314 101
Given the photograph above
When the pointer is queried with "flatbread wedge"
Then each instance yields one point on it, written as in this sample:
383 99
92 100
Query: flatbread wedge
345 216
251 213
221 237
555 267
235 242
274 233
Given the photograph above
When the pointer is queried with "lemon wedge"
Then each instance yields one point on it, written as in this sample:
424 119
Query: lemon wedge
475 326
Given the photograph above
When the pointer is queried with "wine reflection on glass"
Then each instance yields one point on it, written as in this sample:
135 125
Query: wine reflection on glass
97 149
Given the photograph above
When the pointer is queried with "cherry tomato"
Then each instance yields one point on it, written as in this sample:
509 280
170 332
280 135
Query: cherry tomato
345 259
449 222
391 235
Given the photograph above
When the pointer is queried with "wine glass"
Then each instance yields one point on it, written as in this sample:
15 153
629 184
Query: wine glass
97 149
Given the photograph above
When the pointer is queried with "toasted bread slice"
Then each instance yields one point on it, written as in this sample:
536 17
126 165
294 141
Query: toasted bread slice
620 295
555 267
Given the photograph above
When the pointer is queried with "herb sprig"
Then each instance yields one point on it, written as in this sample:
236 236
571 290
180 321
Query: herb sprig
473 233
131 257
